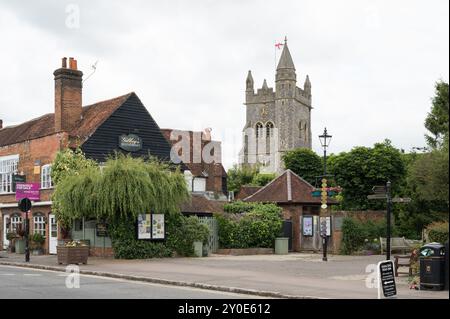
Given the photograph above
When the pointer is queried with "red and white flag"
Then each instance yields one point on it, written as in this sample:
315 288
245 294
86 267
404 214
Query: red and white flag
278 45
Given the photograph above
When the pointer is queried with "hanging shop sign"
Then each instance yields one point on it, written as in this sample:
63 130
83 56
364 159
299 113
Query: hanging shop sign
130 143
151 227
307 226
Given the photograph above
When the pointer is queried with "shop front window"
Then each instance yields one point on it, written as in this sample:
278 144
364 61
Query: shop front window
39 224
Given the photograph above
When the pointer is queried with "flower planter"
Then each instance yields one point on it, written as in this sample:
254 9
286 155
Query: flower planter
72 255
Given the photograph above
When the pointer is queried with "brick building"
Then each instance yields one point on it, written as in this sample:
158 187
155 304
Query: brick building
27 150
204 176
294 195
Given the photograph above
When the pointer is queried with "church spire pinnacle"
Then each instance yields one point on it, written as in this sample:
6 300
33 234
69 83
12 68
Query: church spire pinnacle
286 58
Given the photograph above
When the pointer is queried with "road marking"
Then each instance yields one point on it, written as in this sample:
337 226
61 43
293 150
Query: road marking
32 275
7 274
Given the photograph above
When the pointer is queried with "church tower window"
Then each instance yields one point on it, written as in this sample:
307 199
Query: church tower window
259 130
269 129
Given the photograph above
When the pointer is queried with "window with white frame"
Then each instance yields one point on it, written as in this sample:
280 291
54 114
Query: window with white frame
16 223
8 167
46 178
39 224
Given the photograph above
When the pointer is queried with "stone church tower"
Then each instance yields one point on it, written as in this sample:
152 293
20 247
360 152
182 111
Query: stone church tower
276 121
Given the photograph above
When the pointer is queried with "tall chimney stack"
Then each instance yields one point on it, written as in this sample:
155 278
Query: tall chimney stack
68 95
1 124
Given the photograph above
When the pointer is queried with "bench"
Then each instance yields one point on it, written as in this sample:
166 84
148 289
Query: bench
397 243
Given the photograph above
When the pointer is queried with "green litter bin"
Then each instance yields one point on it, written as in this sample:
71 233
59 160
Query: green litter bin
198 249
281 246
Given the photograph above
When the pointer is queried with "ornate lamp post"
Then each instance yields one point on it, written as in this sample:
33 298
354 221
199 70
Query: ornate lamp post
325 140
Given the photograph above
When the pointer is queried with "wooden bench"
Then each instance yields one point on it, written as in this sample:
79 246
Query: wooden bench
397 243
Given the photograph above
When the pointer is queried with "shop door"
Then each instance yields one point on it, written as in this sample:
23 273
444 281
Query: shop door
53 234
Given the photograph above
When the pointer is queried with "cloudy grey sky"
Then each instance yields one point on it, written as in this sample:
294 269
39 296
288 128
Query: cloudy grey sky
372 63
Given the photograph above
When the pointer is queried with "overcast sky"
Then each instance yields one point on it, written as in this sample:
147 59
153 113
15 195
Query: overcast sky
372 64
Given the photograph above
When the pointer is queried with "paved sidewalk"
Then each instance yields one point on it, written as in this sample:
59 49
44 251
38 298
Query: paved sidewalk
299 275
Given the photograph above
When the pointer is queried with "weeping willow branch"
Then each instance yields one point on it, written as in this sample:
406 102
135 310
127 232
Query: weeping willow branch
124 188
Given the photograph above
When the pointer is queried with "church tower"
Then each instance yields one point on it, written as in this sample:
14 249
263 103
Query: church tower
276 120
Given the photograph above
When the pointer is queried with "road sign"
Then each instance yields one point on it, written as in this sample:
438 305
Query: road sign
377 196
386 279
401 200
324 206
379 189
24 205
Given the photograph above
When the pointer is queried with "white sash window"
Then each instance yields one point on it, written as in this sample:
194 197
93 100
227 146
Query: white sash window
46 177
8 167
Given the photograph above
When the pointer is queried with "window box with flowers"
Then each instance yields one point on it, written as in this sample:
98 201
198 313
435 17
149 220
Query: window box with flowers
73 252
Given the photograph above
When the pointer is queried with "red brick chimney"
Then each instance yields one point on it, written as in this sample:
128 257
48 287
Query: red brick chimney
68 95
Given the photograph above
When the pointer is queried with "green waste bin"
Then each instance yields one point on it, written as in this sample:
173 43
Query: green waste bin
198 249
281 246
20 246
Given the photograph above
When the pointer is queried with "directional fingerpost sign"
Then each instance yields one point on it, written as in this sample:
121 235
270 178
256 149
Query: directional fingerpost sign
386 279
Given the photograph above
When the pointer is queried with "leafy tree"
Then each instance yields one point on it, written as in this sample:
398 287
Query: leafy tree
246 176
437 120
124 188
428 176
69 162
239 176
362 168
262 179
305 163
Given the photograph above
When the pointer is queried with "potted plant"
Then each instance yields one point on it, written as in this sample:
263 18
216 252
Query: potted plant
37 242
11 237
73 252
20 241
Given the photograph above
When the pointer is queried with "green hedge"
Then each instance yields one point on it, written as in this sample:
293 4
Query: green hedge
249 225
357 235
181 233
438 232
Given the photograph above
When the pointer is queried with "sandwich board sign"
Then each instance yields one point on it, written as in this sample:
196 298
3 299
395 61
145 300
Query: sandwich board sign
386 279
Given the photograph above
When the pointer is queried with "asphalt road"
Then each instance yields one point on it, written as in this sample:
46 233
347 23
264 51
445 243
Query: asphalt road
26 283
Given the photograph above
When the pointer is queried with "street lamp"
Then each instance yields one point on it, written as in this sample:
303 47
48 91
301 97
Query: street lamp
325 140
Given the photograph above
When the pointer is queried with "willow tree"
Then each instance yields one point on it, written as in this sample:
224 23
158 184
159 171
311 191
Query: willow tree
122 189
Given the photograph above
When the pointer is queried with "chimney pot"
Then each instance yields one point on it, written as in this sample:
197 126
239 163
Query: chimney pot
64 63
70 63
75 64
1 124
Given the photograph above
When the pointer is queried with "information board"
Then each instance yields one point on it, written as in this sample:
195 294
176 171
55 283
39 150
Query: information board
386 279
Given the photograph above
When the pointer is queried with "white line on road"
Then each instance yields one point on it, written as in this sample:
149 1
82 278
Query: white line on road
32 275
7 274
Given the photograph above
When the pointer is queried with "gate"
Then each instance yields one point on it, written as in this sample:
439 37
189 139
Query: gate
287 231
213 240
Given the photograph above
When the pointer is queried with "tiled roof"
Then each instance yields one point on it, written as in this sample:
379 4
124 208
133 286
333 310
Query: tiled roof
200 204
92 117
246 191
287 188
